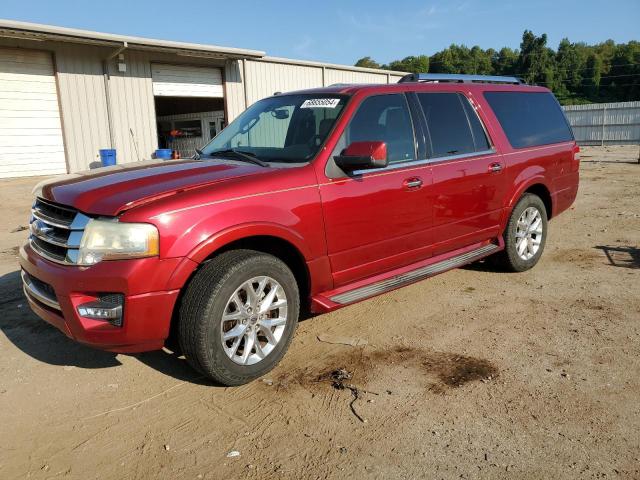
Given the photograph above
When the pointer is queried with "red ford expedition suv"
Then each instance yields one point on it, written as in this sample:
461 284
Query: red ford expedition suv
316 199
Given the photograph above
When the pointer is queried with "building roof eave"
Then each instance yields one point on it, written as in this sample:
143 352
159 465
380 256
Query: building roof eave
39 32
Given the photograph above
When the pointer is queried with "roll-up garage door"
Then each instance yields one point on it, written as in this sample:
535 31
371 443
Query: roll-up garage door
186 81
30 128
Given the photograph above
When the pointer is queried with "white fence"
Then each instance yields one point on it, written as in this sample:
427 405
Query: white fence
605 123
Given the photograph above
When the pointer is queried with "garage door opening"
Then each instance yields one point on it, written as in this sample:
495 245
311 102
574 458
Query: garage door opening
189 106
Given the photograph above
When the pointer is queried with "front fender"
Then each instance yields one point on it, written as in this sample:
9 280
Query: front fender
238 232
217 241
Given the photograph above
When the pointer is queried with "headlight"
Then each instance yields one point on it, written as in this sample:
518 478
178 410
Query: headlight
112 240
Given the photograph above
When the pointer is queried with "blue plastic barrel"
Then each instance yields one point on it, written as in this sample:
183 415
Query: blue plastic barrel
108 157
164 153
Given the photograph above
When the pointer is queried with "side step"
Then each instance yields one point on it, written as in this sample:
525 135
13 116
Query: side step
412 276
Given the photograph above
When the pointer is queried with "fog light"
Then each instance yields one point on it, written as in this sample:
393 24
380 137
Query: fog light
108 308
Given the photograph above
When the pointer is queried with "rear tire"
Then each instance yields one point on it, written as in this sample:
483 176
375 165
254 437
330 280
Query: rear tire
238 316
525 235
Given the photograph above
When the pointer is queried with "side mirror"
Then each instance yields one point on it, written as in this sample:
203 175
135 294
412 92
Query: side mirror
362 155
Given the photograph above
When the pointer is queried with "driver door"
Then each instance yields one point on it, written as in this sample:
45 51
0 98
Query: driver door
378 220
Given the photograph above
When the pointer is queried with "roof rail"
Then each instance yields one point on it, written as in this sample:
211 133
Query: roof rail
458 78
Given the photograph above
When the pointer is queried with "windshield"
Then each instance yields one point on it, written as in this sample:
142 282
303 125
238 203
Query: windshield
283 128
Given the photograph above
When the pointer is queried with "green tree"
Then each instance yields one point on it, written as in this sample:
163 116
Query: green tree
367 62
592 74
570 59
623 78
576 72
417 64
505 61
536 61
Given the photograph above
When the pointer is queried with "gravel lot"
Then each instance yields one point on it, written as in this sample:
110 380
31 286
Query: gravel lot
474 373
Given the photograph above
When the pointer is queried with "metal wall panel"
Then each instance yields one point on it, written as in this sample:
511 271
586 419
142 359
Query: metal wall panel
266 78
82 102
234 89
605 123
133 108
345 76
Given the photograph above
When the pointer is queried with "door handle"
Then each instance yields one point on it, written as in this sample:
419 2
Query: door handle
412 183
495 167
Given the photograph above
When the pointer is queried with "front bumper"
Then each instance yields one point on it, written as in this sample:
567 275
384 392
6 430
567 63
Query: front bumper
145 283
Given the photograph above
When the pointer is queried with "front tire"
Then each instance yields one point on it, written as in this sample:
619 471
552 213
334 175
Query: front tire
238 316
525 235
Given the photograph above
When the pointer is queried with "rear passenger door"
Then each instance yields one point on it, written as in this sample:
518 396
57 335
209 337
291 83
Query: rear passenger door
467 172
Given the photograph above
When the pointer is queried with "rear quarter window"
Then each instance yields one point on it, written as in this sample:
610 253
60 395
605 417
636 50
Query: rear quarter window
529 118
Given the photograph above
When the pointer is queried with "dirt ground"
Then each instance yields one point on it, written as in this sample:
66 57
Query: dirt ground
471 374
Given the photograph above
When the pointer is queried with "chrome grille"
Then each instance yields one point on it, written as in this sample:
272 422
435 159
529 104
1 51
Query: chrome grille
56 231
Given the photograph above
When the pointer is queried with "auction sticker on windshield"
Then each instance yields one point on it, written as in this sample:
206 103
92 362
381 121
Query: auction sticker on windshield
320 103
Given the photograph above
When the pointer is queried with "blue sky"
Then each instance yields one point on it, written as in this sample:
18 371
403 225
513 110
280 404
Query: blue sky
341 31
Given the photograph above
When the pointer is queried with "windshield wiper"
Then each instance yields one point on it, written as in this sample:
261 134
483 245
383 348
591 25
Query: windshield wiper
240 155
198 154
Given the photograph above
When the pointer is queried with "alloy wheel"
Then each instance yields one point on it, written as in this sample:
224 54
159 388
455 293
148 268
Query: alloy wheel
529 231
254 320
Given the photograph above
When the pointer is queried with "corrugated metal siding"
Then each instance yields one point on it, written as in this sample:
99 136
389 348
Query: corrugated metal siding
344 76
133 108
266 78
234 89
605 123
83 104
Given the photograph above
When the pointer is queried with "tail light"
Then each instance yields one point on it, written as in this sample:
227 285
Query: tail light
576 157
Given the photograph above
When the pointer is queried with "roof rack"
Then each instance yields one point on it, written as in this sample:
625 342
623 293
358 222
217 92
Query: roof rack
458 78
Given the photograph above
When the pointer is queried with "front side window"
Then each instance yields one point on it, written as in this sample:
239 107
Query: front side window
284 128
530 118
383 118
454 128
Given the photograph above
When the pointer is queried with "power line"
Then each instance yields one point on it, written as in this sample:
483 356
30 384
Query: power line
586 79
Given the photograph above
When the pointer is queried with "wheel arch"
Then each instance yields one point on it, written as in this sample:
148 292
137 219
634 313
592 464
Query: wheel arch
279 248
537 187
543 192
253 239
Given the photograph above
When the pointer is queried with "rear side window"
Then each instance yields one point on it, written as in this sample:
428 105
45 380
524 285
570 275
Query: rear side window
454 127
529 118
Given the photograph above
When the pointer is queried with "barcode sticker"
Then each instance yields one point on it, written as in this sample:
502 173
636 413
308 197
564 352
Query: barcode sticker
320 103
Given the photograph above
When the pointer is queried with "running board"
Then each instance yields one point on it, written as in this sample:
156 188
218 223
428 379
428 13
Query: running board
413 276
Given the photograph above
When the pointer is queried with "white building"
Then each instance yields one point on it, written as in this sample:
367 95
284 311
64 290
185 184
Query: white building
66 93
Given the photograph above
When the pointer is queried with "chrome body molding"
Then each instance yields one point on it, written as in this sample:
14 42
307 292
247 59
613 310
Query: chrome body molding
31 290
413 163
412 276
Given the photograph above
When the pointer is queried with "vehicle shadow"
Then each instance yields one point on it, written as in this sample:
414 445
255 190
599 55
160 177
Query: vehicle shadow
37 338
624 257
47 344
484 265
